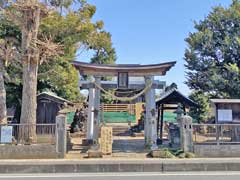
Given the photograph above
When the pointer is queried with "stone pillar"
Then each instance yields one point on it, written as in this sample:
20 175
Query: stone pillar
96 110
90 120
186 132
61 135
150 126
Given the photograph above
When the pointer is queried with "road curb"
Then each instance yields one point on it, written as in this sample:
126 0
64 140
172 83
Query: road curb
115 166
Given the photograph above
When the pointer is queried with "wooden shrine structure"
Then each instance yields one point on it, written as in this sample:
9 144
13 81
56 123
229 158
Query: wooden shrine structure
122 72
170 101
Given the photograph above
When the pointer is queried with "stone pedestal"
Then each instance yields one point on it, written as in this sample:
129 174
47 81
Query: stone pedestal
186 132
92 153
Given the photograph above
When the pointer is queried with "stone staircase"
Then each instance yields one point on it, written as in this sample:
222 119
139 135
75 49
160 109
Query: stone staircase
120 129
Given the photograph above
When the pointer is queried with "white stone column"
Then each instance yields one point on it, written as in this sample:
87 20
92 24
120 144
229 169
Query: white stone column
96 110
90 120
150 128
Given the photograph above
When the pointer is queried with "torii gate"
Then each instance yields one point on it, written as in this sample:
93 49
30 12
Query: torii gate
123 72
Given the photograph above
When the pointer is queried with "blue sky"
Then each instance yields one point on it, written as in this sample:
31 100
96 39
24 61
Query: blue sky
152 31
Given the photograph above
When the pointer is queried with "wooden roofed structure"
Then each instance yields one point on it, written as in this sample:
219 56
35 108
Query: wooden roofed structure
48 106
173 96
166 102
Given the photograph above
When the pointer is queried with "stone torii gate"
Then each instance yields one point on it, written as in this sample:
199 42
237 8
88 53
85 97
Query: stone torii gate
123 72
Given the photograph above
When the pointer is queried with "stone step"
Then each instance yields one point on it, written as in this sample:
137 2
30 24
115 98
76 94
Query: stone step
120 129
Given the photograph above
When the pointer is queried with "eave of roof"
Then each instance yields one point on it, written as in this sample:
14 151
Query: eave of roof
55 96
217 101
167 95
132 69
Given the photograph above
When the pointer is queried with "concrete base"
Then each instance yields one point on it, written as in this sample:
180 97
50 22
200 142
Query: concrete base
213 150
37 151
94 153
157 153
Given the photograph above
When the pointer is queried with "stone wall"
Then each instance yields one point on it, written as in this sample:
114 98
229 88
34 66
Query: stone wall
38 151
213 150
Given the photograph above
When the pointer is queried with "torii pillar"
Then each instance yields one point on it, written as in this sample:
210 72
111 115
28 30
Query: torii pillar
90 120
150 126
93 112
96 110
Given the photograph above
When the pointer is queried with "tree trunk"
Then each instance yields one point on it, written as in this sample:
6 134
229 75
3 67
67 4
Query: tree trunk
29 103
3 108
30 60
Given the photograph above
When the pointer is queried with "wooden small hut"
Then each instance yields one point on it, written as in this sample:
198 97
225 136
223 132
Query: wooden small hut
48 106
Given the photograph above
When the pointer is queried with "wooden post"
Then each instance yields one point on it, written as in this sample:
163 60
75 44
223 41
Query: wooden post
217 127
216 114
158 119
161 127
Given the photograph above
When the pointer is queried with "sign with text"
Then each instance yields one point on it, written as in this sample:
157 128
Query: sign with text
106 140
225 115
6 134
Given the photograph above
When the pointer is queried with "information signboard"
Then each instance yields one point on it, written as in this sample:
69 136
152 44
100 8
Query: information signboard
6 134
225 115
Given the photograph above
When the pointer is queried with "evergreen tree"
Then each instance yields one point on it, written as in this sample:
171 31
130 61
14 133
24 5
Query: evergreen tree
212 57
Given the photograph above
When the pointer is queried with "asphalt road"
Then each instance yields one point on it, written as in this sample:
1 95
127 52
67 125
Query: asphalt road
129 176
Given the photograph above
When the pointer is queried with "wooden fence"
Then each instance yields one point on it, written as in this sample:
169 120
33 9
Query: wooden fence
130 108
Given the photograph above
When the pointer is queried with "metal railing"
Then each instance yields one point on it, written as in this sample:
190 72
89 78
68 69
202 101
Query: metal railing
28 134
216 133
